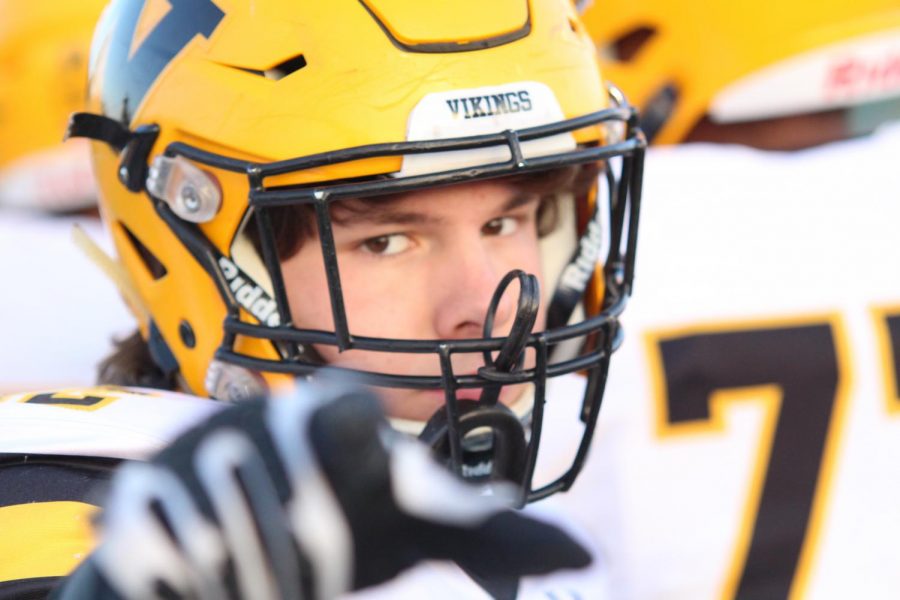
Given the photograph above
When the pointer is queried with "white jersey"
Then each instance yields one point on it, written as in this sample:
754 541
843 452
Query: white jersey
750 438
102 421
58 312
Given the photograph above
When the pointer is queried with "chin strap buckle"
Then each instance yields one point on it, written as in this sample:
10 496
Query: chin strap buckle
133 146
492 439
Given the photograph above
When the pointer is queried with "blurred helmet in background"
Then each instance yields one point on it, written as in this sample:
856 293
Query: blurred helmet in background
44 47
735 62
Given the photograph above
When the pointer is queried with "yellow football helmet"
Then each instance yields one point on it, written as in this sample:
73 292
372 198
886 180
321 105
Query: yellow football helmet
744 61
217 114
43 68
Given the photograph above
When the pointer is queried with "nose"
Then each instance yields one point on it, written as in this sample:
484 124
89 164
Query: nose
464 286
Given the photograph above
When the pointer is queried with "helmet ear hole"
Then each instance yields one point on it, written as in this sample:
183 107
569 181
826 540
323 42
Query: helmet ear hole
627 46
154 266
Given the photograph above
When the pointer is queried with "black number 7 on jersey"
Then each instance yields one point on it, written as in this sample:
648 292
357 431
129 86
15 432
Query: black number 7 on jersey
801 374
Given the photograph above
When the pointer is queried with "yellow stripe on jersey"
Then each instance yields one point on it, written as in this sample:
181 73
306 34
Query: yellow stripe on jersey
44 539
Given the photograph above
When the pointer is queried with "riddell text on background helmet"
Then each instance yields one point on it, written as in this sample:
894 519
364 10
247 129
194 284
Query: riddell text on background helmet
216 115
745 61
44 48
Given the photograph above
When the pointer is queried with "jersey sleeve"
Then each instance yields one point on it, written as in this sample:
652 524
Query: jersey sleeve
46 505
57 452
105 421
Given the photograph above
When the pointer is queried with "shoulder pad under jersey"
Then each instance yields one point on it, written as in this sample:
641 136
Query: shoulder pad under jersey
105 421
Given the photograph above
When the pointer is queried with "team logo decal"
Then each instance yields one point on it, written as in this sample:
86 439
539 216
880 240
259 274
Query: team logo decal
140 60
473 107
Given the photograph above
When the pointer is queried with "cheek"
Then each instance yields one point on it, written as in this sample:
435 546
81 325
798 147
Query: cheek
307 289
382 298
525 254
371 310
522 251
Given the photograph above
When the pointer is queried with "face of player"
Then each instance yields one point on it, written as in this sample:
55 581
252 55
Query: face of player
423 265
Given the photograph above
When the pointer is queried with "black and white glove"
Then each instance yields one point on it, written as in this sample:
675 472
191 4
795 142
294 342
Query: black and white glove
306 496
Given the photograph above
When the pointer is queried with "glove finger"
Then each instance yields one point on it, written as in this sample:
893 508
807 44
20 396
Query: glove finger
250 516
508 544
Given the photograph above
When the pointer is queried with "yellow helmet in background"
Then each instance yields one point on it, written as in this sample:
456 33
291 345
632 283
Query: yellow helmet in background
44 48
216 113
744 61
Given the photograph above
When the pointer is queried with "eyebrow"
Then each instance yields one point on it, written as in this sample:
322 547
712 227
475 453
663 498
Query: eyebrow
364 211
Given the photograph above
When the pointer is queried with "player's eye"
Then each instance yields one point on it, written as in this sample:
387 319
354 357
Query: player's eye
386 245
500 226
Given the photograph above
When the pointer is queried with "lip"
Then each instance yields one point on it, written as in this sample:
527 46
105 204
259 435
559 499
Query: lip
461 394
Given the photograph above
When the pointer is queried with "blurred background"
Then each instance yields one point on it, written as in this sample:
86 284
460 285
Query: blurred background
59 311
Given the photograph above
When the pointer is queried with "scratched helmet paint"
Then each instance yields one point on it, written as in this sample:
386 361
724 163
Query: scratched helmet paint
743 61
218 116
43 67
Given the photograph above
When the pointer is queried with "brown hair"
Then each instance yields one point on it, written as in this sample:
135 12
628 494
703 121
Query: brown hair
131 364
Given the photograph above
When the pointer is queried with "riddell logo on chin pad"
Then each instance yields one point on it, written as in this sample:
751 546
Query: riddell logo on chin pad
249 295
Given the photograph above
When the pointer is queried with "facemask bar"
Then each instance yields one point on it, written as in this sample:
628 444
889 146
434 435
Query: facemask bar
342 339
618 273
321 196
